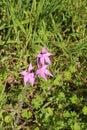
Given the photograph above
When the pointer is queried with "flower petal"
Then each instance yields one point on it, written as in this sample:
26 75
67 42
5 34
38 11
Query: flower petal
44 50
30 67
25 79
47 60
39 55
47 72
48 54
38 63
42 60
23 73
43 76
31 79
37 72
44 67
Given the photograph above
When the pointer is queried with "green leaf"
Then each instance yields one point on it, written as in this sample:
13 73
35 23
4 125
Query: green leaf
58 80
72 69
8 119
77 126
74 99
37 128
67 75
61 95
1 113
48 111
33 8
84 110
37 101
26 114
66 114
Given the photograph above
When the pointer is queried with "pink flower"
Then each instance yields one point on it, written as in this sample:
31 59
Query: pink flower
42 71
49 87
44 56
28 75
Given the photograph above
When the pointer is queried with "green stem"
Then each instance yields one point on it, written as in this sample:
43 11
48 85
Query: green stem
21 103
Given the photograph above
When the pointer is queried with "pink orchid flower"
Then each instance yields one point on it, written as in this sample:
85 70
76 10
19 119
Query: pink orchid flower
44 56
28 75
42 71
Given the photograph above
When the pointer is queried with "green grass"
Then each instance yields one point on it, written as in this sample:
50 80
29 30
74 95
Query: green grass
25 27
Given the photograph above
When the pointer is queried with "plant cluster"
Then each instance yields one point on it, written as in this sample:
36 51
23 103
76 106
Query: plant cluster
42 68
